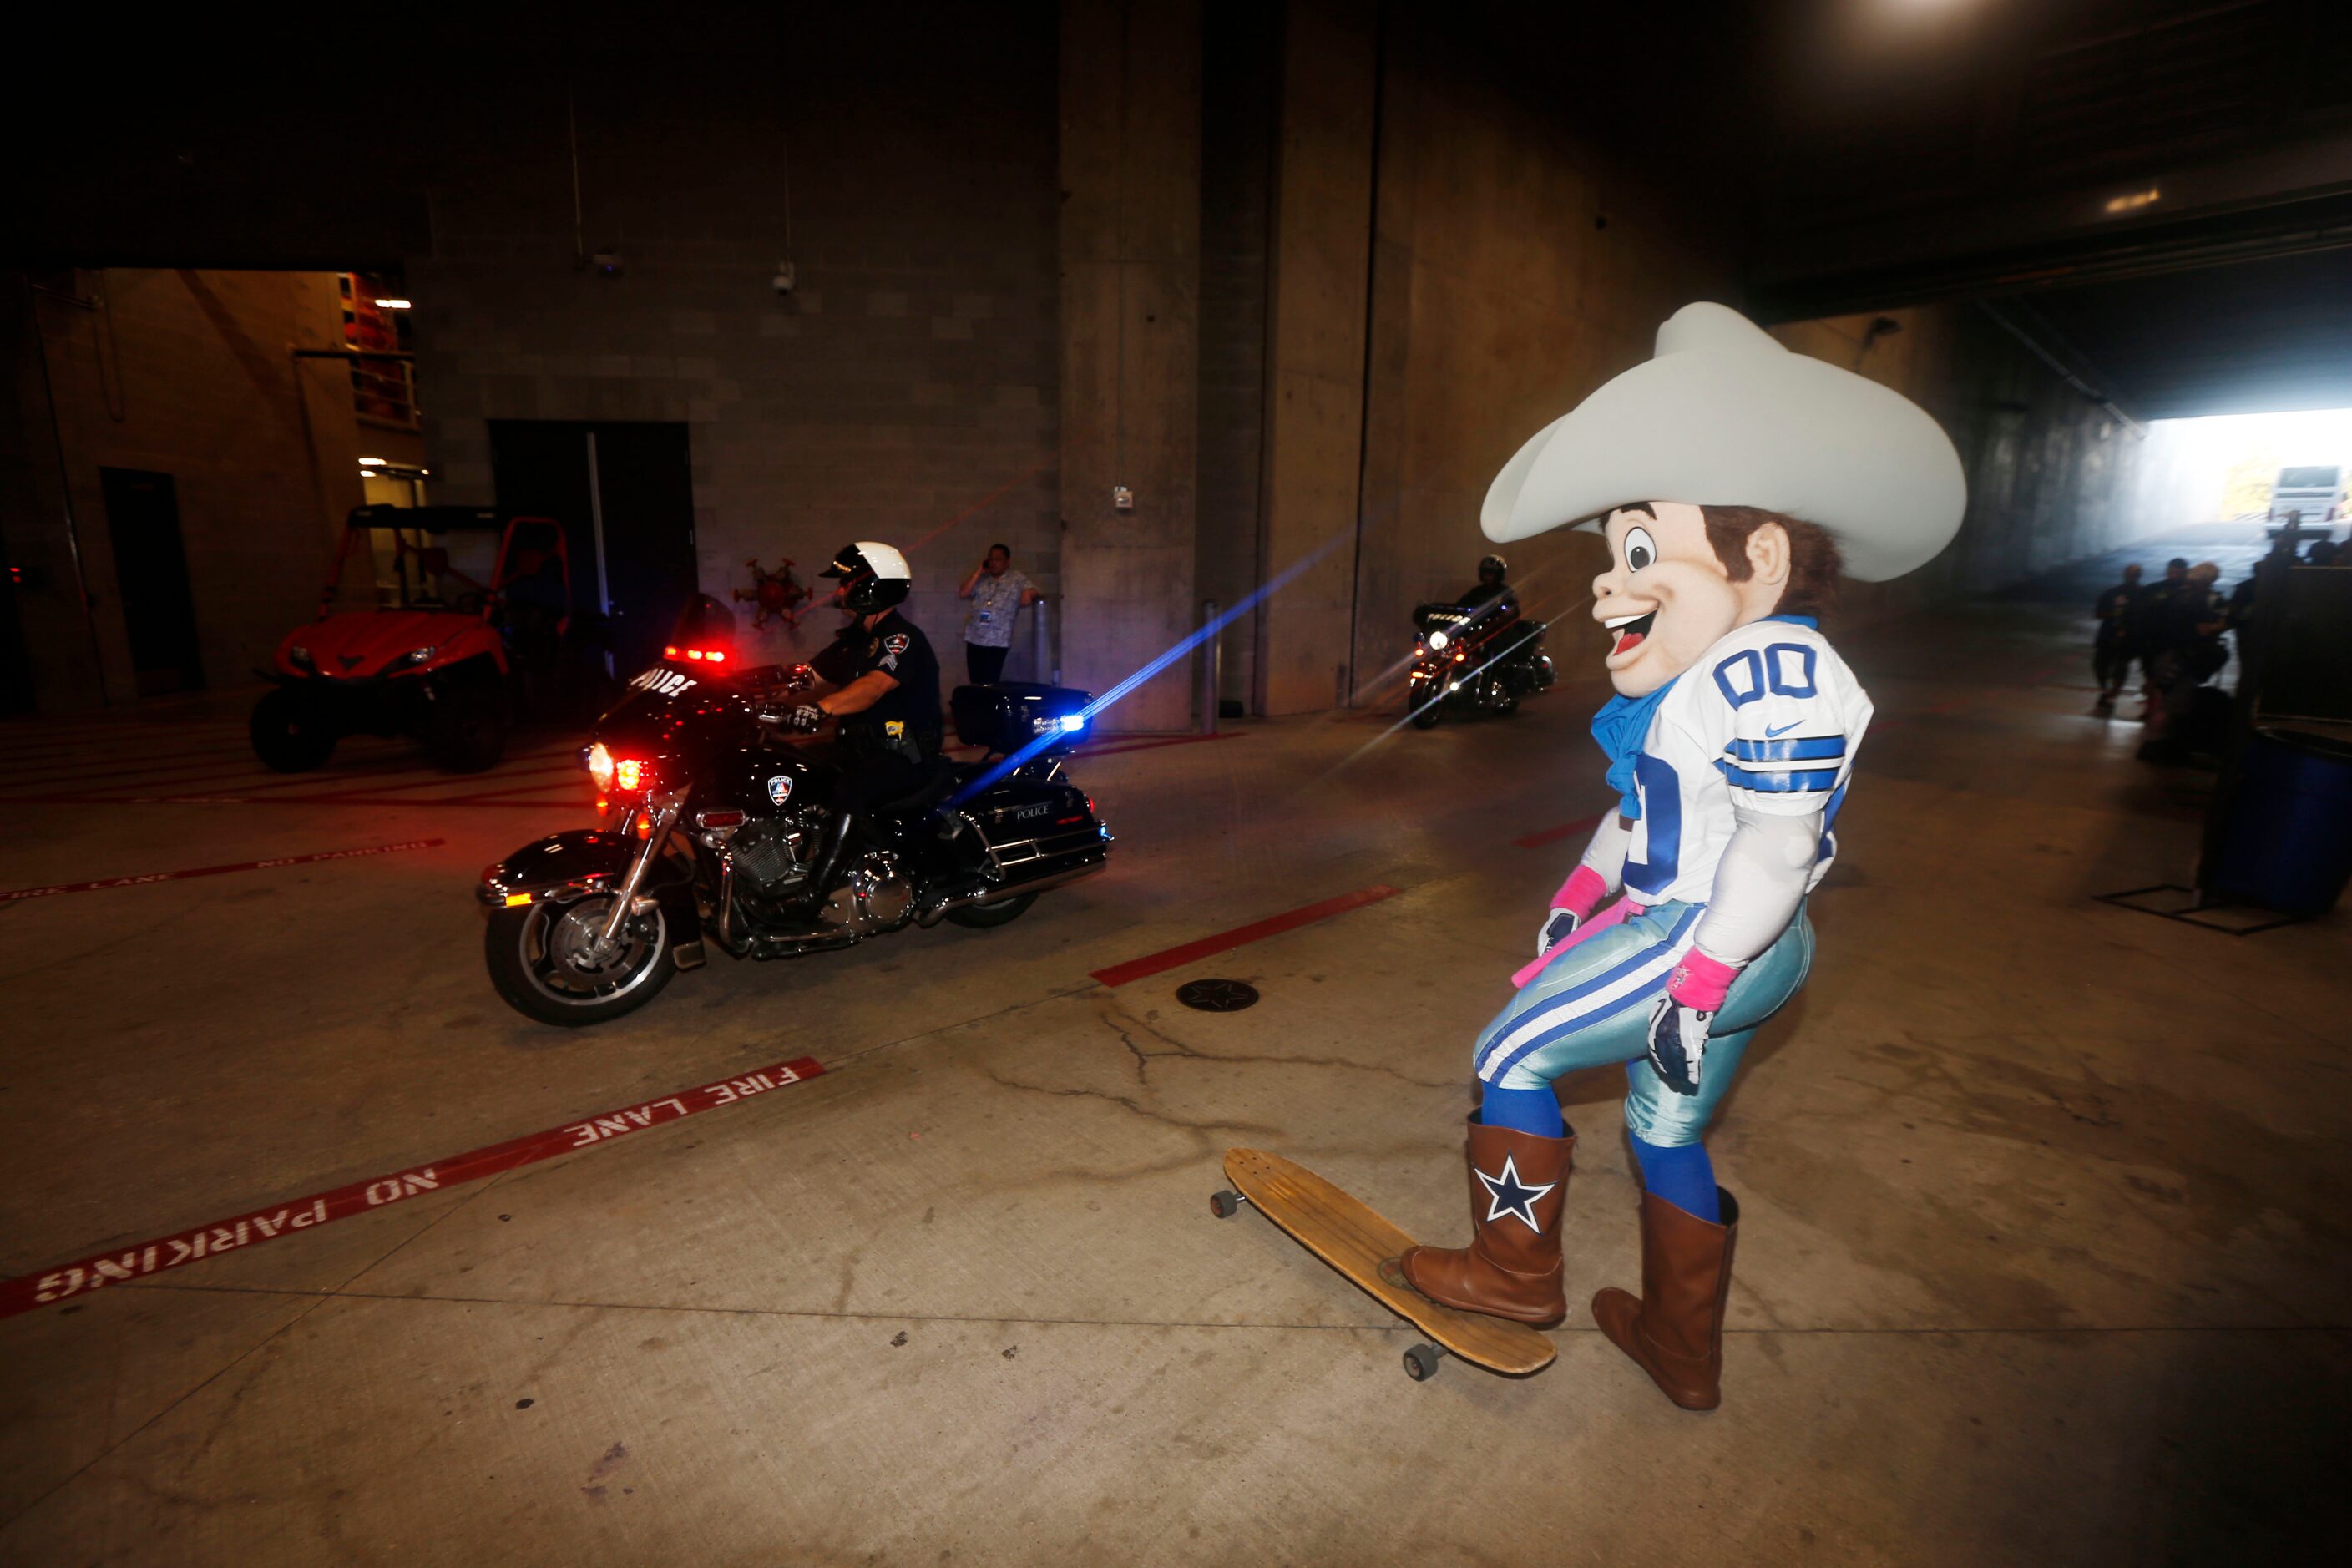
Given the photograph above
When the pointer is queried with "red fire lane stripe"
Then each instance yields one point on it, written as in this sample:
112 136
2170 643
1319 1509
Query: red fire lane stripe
1554 835
1241 936
269 865
141 1259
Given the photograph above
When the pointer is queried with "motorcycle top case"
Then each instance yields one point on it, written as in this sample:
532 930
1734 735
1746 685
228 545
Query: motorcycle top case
1014 714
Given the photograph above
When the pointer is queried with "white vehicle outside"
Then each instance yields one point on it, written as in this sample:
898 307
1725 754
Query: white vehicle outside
2317 491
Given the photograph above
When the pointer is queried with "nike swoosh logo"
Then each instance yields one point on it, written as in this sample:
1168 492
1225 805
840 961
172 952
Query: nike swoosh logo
1771 735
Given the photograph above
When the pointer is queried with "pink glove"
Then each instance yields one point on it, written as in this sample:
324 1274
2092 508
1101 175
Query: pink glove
1700 982
1616 914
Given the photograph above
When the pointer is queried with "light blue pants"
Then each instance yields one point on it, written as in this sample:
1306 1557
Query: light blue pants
1591 1007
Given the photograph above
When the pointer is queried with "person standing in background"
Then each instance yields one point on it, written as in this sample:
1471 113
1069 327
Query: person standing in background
2150 620
2111 655
998 595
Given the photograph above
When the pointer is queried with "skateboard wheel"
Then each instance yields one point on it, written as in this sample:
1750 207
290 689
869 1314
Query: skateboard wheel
1420 1362
1225 1205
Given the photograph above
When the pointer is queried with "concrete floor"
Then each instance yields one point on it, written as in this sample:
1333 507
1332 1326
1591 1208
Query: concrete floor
2044 1200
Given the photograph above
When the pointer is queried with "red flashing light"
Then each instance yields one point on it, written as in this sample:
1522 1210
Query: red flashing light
699 655
629 773
669 653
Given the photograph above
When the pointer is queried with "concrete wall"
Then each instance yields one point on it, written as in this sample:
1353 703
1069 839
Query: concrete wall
185 373
906 391
1130 256
1517 269
1240 61
2053 477
1314 433
1300 277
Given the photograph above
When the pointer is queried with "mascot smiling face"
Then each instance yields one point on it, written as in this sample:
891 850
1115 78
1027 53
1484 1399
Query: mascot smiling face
1680 577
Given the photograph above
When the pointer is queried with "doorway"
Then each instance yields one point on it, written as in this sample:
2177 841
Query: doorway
151 573
624 495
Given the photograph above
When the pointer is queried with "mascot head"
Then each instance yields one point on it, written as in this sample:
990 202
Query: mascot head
1732 479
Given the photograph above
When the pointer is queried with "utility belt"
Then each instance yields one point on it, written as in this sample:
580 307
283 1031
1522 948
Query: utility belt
893 739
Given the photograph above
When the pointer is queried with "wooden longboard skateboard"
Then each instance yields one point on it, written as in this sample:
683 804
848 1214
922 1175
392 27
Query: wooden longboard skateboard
1352 1239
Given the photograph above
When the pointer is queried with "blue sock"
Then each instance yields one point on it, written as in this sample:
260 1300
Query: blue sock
1535 1111
1683 1175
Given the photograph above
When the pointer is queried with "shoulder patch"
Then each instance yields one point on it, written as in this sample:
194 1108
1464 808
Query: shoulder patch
894 643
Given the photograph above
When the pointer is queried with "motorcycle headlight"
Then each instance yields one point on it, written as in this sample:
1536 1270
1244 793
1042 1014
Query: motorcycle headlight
299 657
599 763
1437 639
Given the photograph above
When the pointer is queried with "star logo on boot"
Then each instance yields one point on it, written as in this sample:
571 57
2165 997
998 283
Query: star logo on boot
1506 1194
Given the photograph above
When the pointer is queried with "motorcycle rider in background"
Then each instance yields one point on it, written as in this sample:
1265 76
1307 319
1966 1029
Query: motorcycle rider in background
881 681
1491 590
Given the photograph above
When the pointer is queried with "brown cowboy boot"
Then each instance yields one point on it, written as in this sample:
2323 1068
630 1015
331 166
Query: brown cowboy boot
1518 1184
1674 1330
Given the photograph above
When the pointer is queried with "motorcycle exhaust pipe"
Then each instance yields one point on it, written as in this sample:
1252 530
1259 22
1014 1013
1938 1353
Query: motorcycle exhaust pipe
932 916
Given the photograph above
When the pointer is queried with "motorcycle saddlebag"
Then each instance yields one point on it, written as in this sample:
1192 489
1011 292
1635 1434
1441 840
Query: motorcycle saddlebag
1011 715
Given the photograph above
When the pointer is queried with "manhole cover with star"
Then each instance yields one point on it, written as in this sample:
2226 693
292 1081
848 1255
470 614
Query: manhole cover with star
1217 995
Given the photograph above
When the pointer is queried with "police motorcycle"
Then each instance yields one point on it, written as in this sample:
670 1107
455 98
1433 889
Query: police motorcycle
1473 660
720 823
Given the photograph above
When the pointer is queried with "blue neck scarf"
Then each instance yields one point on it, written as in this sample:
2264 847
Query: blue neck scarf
1624 724
1620 727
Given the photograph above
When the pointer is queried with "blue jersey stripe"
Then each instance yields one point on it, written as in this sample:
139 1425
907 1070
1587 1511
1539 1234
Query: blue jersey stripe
1779 784
1795 751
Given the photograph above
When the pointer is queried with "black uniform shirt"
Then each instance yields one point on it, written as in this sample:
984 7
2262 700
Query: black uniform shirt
1497 606
908 712
2115 612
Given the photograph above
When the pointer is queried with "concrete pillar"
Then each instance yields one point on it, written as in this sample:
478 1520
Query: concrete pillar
1314 376
1130 255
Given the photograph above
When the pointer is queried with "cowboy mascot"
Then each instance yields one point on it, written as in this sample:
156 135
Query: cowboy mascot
1733 480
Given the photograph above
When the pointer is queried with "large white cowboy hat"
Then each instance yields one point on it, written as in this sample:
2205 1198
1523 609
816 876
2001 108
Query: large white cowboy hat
1723 415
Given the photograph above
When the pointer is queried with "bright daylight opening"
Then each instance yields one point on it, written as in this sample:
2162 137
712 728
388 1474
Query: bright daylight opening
2256 468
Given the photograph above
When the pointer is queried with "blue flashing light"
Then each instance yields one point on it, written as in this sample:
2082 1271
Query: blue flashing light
1073 723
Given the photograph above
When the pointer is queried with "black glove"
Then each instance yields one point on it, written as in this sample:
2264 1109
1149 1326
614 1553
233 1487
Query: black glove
1557 927
1678 1043
804 719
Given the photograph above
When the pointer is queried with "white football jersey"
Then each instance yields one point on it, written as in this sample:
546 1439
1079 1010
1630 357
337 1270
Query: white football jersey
1770 719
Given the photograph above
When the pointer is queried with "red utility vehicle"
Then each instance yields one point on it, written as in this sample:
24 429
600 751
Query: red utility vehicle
437 664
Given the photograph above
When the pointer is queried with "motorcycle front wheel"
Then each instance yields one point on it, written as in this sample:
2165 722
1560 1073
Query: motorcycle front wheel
542 960
1420 706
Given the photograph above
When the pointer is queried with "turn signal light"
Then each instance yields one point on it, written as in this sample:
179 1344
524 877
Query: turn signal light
516 901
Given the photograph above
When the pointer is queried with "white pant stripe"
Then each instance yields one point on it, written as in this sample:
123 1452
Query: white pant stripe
1566 1011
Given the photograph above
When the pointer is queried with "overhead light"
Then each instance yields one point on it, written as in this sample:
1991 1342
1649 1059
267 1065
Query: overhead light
392 305
370 462
2132 200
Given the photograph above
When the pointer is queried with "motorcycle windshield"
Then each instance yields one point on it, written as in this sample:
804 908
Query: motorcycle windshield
674 708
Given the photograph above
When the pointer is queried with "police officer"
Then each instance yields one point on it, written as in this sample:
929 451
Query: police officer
1492 590
880 680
